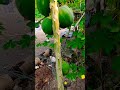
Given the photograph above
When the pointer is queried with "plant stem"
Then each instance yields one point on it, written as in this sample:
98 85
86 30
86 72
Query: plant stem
79 20
57 44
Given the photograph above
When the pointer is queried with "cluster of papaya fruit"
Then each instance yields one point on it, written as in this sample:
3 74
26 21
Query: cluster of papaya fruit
66 16
26 9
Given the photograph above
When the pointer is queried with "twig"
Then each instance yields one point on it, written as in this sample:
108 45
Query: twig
79 20
41 20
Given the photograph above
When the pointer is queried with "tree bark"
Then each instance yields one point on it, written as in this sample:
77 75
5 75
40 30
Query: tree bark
57 44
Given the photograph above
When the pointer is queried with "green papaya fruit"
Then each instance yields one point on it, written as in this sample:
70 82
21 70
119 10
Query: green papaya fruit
66 16
47 26
26 8
43 7
65 67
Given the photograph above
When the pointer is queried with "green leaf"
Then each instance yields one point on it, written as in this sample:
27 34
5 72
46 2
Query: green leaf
83 53
38 45
25 41
71 76
37 24
73 67
51 45
49 36
81 71
9 44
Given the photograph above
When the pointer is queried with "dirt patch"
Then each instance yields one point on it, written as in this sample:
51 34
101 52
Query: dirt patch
42 77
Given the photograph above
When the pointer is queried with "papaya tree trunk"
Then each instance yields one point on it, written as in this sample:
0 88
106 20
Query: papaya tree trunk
57 44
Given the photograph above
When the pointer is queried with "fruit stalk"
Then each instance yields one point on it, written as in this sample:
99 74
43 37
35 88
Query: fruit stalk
57 44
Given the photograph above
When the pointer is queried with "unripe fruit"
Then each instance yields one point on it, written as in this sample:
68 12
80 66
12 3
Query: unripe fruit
26 8
66 16
43 7
47 26
65 67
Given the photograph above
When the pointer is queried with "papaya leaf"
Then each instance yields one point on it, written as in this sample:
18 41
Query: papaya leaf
9 44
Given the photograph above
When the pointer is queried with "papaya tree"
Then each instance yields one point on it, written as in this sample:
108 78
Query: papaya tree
50 25
56 17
